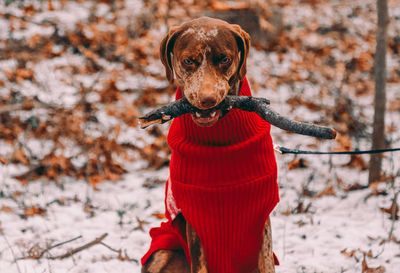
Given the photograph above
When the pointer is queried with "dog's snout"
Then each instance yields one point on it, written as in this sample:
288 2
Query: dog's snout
208 101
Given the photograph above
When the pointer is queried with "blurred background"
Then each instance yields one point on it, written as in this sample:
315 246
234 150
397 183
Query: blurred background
76 75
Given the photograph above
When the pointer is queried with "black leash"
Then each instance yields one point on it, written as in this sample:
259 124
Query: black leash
284 150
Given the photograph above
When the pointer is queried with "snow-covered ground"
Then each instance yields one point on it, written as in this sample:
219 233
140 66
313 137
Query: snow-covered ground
321 224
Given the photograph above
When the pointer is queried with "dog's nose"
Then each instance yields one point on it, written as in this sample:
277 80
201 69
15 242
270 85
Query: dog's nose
208 101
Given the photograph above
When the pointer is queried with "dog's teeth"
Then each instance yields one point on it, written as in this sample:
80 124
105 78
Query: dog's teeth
198 115
213 114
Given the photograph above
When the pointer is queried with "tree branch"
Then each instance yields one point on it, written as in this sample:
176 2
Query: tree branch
49 248
251 104
78 249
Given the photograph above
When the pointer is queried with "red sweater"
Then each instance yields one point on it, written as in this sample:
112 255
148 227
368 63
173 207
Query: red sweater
223 179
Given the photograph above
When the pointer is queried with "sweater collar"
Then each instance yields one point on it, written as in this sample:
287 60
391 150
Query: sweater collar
235 127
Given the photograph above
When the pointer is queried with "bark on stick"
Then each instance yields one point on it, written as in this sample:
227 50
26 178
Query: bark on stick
251 104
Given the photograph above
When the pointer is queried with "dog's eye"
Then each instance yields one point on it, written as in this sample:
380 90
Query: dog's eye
188 61
225 60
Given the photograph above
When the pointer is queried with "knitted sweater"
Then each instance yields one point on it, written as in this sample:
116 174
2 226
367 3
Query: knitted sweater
223 179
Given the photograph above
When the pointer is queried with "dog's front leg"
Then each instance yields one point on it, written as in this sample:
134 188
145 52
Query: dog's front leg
266 262
197 254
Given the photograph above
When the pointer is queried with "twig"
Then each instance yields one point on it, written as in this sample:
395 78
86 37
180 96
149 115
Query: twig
12 252
49 248
78 249
110 248
60 244
394 215
251 104
119 253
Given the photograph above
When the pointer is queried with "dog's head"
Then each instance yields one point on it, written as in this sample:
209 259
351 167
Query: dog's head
208 58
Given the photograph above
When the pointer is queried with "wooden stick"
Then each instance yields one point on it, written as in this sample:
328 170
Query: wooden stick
251 104
78 249
49 248
12 252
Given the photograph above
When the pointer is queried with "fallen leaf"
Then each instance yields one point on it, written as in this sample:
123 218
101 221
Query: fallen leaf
95 179
301 208
20 157
327 191
159 215
6 209
394 105
354 187
365 61
3 160
287 212
347 253
50 5
356 161
141 224
344 143
33 210
366 269
124 256
298 163
390 211
29 10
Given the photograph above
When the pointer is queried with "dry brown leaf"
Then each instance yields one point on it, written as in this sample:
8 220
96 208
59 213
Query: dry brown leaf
327 191
355 187
112 176
33 41
95 179
33 210
123 257
3 160
20 157
394 105
390 211
110 92
298 101
287 212
366 269
27 104
23 74
347 253
344 143
117 130
89 209
6 209
50 5
9 74
390 129
298 163
356 161
158 215
302 208
29 10
365 61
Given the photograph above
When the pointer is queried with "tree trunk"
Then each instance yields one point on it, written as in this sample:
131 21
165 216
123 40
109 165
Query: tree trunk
378 137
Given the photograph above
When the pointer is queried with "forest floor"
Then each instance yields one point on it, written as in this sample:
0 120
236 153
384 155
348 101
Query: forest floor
81 184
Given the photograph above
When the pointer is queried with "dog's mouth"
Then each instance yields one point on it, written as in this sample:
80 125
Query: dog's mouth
206 118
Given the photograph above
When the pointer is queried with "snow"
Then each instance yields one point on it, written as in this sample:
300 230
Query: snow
309 242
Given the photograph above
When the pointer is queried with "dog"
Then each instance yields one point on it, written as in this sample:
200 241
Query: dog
222 185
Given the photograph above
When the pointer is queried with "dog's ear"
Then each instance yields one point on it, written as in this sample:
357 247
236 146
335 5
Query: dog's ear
166 47
243 42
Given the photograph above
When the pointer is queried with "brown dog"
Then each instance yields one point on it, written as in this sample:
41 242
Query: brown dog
208 58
